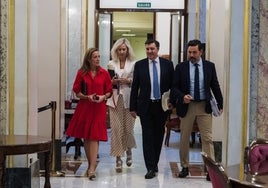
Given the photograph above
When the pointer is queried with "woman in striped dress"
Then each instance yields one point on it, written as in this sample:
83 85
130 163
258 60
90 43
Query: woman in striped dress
121 122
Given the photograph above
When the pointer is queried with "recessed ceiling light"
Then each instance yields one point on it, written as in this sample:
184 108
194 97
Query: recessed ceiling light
128 35
123 30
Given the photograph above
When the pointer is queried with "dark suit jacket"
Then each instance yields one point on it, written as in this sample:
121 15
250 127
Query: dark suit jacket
181 86
141 85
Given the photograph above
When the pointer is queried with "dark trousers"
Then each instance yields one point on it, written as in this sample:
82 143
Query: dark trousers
153 130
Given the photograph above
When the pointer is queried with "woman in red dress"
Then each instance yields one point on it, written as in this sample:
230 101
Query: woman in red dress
89 119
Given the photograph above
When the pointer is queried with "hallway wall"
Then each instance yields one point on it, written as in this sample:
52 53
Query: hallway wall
235 82
3 67
30 65
44 60
262 66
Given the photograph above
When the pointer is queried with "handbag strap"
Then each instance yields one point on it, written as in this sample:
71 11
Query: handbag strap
72 95
115 106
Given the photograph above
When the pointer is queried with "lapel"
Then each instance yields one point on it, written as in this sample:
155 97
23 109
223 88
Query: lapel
145 73
116 66
146 69
127 65
162 70
205 72
127 68
187 74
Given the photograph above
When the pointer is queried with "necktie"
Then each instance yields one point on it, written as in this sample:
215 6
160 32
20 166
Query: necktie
196 84
156 90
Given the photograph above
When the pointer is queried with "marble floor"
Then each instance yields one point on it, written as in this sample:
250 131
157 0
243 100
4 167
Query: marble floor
131 177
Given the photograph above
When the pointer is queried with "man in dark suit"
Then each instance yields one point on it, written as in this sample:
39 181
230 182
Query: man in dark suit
191 93
145 101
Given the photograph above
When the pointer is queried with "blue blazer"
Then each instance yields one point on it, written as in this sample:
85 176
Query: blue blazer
181 86
141 85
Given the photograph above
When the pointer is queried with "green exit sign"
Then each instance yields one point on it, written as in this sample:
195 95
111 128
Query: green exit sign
143 5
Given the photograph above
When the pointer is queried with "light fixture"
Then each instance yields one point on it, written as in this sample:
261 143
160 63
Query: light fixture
123 30
128 35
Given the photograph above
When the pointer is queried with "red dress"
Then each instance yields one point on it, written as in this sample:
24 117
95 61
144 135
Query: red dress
89 119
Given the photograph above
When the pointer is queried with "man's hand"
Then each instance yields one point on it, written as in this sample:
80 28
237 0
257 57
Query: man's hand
170 106
187 98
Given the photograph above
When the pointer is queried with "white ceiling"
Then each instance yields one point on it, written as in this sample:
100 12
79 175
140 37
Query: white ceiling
138 23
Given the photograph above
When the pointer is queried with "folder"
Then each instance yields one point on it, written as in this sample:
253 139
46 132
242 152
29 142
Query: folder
214 106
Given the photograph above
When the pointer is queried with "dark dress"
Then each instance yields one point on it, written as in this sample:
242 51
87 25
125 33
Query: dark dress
89 119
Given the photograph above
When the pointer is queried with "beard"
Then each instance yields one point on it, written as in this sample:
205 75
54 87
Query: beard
192 59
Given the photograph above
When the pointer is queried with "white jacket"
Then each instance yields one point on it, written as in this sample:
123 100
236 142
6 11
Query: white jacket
124 90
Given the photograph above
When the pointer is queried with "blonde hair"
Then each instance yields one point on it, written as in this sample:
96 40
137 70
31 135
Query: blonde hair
119 42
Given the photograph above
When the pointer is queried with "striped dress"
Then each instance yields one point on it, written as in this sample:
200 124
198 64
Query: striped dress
121 121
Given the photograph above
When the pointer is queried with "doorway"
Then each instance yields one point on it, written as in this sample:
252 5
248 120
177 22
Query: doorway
167 27
136 27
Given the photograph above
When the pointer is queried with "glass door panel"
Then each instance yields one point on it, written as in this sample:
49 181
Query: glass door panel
104 38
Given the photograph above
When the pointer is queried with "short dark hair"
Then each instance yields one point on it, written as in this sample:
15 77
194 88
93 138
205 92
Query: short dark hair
195 42
149 41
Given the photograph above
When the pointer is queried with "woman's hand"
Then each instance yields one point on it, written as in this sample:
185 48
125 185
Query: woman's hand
121 81
92 97
99 98
115 81
124 81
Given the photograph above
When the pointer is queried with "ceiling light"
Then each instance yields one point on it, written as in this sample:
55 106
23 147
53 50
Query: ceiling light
123 30
128 35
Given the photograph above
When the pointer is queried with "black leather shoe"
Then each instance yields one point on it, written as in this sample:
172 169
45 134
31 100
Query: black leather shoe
150 174
208 178
184 172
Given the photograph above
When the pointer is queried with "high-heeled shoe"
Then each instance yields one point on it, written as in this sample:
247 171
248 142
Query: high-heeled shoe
129 158
118 167
92 176
86 173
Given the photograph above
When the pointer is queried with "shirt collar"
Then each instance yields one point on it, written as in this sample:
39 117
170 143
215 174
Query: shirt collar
199 62
156 60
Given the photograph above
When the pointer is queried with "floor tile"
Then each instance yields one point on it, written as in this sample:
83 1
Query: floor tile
131 177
